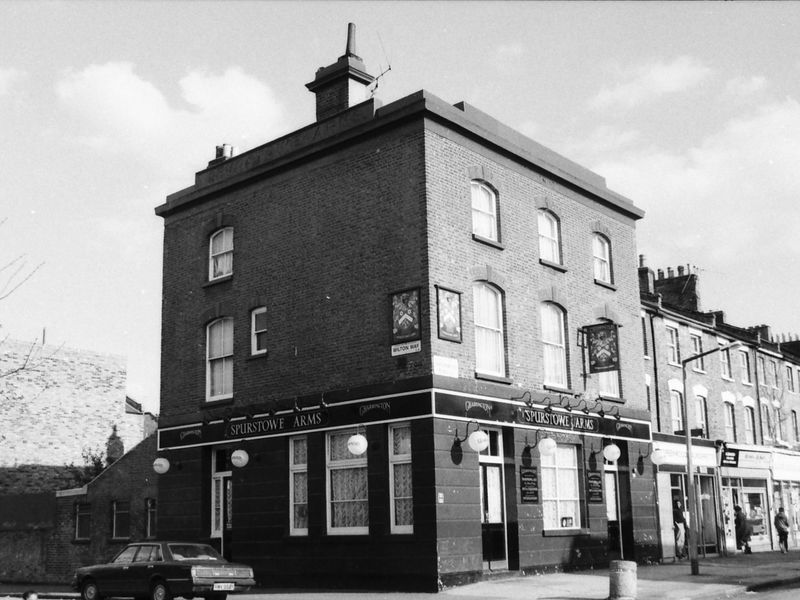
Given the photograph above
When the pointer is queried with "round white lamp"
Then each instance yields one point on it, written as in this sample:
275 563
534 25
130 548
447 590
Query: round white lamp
161 465
357 444
547 446
611 452
240 458
658 457
478 440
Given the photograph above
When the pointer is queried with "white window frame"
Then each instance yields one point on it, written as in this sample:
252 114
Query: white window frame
214 256
795 430
227 358
601 259
217 480
696 341
549 237
608 384
729 412
725 366
115 513
151 516
673 344
490 359
396 460
558 467
701 414
676 409
296 469
83 513
254 332
477 188
774 374
762 370
744 366
556 372
766 421
749 425
790 378
352 462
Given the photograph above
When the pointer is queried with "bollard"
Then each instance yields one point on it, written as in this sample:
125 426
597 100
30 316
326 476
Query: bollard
622 580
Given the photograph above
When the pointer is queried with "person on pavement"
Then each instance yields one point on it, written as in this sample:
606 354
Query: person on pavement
679 527
782 527
743 530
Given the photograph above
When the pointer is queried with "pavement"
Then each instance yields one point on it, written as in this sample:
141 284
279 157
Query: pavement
718 578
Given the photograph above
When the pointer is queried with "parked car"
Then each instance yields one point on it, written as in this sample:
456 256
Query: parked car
161 570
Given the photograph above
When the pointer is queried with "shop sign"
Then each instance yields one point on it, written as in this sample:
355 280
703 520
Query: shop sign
753 460
560 420
675 454
594 488
729 458
276 424
529 485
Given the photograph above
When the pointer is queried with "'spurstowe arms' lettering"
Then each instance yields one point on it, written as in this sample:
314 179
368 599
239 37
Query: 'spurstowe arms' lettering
560 420
274 424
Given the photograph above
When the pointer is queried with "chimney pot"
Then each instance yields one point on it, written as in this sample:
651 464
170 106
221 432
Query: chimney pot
661 273
670 272
680 270
642 261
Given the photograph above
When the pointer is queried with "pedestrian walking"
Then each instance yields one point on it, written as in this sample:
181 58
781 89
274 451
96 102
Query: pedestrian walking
743 530
679 526
782 527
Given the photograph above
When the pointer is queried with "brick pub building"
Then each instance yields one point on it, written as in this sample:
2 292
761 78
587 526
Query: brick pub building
346 306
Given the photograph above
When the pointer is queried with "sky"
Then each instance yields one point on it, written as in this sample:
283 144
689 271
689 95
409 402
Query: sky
691 110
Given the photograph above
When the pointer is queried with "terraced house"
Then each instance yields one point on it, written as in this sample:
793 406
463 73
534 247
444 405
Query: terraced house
402 345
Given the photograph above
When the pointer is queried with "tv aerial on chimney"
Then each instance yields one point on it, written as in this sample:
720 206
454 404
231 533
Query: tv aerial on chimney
383 72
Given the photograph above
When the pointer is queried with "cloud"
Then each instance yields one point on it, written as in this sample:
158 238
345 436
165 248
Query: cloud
745 86
729 205
114 109
651 81
603 140
9 78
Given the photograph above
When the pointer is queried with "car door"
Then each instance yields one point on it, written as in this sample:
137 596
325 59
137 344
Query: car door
141 570
115 577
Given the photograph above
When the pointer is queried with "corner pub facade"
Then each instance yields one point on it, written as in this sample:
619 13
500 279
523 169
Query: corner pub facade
378 340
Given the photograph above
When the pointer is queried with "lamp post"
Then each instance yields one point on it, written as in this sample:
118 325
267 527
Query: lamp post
692 507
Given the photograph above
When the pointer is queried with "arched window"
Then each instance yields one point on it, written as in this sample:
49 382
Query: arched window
730 422
554 344
676 406
484 211
489 341
766 422
220 254
701 415
601 251
219 359
549 237
749 425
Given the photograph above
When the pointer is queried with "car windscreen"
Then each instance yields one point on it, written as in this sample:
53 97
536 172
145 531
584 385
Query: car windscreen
126 555
193 552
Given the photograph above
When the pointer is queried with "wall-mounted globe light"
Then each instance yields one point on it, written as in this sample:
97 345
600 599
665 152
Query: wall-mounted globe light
240 458
611 452
478 440
357 444
160 465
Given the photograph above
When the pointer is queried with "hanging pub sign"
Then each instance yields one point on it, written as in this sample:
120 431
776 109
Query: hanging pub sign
448 303
603 343
529 485
406 332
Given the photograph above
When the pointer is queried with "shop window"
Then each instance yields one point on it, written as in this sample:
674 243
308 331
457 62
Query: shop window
554 345
676 405
400 478
83 521
730 422
749 425
298 482
347 501
560 495
121 519
489 337
484 211
219 359
549 237
220 254
150 517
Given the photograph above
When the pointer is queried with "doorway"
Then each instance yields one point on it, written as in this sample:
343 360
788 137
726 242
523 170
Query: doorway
221 502
493 502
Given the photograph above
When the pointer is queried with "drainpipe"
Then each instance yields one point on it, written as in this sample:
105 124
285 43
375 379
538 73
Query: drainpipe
656 395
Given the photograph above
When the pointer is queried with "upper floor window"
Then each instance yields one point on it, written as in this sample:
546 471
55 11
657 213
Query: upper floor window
749 425
484 211
673 346
601 251
697 348
730 422
549 237
774 377
725 362
220 254
555 349
790 378
701 415
258 331
400 480
608 384
744 366
766 422
795 430
762 371
646 349
489 341
219 359
676 406
780 425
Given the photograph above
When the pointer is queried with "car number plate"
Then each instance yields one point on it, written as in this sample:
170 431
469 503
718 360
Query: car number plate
223 587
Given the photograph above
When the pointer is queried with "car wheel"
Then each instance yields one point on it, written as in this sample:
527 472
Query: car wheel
90 591
160 591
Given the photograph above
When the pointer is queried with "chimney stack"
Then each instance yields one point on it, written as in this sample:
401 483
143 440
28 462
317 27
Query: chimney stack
342 84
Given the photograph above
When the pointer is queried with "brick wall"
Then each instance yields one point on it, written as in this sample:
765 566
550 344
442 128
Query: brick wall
64 402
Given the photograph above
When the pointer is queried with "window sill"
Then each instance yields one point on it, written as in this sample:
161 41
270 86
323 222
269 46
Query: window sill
647 357
215 403
730 379
609 398
488 242
703 371
490 377
555 266
560 390
674 364
605 284
566 532
218 280
82 542
258 356
748 383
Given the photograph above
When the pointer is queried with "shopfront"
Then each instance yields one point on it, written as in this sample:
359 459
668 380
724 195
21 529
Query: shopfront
746 482
786 492
423 488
